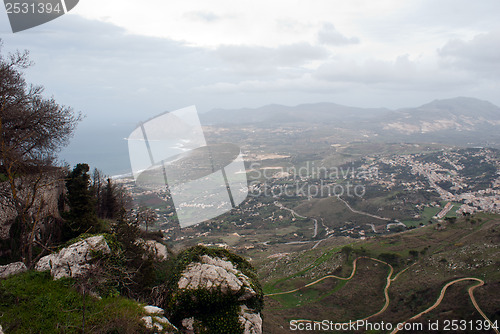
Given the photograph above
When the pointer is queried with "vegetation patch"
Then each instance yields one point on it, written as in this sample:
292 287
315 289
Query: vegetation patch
33 303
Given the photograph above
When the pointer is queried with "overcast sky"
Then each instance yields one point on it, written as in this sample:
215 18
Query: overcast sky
126 60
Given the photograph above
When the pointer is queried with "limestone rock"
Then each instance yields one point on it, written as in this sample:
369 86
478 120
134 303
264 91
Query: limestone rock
251 321
212 273
74 260
12 269
155 320
188 324
153 310
158 249
215 277
148 322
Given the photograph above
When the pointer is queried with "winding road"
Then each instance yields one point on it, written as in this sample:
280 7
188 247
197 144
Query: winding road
440 299
295 214
386 293
361 212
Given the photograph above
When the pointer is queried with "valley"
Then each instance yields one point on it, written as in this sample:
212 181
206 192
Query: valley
345 224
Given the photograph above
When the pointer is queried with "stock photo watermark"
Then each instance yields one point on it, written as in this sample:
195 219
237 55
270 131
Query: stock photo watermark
204 181
364 325
26 14
309 181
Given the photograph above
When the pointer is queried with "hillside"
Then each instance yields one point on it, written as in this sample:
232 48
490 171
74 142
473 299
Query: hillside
419 264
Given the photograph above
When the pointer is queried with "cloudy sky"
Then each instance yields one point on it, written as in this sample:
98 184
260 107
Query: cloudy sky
124 61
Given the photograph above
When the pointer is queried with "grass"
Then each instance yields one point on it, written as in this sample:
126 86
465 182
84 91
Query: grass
428 214
286 281
33 303
468 240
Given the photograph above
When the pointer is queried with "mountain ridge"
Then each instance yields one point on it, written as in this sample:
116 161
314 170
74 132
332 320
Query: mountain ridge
458 106
459 121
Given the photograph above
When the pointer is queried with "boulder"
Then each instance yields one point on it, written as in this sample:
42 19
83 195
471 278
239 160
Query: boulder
154 310
213 273
158 249
156 321
251 321
12 269
188 325
74 260
219 281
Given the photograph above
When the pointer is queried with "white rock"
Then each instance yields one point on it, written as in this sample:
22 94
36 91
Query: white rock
160 250
12 269
148 322
252 322
158 326
1 330
188 324
214 273
73 261
162 320
153 310
45 263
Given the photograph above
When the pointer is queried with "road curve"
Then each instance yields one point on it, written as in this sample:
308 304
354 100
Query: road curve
386 293
441 296
317 281
361 212
354 266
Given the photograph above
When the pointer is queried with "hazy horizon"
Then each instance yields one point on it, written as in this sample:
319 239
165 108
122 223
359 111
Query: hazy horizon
120 63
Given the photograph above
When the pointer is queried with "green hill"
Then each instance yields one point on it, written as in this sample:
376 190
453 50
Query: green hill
423 260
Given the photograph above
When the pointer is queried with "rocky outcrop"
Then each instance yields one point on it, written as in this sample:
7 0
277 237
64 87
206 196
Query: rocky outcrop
215 289
159 250
74 260
216 273
251 321
49 189
156 320
12 269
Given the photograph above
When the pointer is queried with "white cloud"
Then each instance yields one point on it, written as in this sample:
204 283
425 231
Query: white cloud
329 35
257 48
480 54
258 60
199 15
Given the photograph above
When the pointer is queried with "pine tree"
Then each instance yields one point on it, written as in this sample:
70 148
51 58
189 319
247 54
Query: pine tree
109 204
82 216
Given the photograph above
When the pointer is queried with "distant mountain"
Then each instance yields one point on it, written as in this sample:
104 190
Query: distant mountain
458 114
460 120
304 113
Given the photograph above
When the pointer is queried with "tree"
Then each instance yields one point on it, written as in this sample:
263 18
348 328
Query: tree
82 216
146 216
33 128
110 197
96 187
413 253
109 206
347 250
32 131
